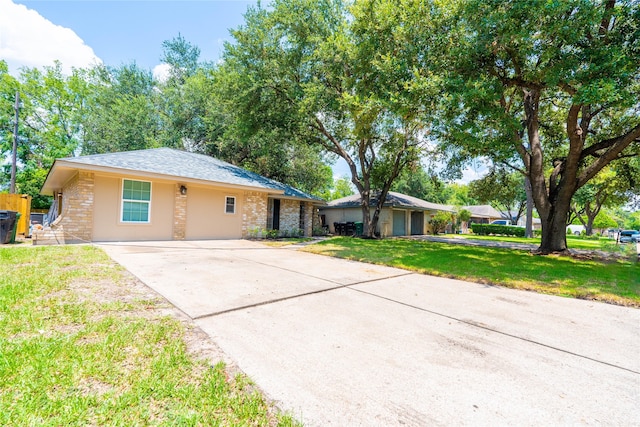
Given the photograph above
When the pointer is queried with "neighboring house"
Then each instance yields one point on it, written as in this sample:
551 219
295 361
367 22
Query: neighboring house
401 215
166 194
482 214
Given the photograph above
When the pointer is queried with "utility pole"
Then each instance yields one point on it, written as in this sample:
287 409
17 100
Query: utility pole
14 152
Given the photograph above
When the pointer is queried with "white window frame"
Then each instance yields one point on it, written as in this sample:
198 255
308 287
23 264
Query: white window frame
226 204
123 200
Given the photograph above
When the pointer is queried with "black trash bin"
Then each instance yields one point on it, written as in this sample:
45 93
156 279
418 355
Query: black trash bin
7 225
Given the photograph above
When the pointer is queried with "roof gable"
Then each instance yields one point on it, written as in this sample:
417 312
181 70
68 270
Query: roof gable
393 199
179 164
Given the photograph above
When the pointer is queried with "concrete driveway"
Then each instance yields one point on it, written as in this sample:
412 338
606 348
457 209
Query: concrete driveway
343 343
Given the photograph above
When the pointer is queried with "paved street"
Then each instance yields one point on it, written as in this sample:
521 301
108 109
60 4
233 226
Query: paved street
343 343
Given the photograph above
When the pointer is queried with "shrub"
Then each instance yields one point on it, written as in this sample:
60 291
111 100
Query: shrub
440 221
506 230
320 231
272 234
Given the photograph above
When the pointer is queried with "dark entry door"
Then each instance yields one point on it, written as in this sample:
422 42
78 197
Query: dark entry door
417 223
276 214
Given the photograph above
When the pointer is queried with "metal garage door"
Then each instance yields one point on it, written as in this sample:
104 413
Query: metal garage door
417 223
399 225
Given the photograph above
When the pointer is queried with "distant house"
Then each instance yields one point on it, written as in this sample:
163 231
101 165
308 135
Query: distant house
166 194
482 214
401 214
522 221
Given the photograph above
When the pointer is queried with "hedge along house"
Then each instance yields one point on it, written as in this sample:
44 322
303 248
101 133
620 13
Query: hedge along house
401 215
167 194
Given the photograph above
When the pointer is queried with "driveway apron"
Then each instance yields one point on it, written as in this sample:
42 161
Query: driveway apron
336 342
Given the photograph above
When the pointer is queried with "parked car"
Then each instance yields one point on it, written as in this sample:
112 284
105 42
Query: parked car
501 222
629 236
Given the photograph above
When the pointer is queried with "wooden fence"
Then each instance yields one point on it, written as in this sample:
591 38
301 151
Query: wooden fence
20 203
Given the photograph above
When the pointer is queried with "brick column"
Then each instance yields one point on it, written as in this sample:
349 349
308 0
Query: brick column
179 214
309 215
254 212
76 218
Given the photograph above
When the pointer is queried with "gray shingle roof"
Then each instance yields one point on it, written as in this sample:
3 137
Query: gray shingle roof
182 164
483 211
393 199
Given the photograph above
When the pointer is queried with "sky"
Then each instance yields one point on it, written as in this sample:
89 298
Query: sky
80 33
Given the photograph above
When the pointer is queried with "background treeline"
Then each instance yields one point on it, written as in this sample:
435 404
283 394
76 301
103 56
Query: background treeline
406 93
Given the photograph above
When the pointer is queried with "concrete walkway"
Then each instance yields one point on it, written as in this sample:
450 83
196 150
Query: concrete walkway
343 343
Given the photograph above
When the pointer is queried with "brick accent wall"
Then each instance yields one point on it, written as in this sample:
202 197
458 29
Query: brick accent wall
179 214
254 212
76 218
309 214
289 215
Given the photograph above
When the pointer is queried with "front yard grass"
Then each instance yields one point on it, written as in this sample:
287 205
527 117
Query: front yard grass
573 242
616 282
83 343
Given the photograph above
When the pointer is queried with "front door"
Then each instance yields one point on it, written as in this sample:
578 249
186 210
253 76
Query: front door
276 214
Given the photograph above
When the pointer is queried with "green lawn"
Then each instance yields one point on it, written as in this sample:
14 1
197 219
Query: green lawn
573 242
83 343
616 282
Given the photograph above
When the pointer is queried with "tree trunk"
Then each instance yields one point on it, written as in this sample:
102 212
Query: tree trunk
369 222
529 225
554 227
589 227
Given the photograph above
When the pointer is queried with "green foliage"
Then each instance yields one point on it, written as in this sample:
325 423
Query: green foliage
464 215
342 187
125 93
416 182
502 189
505 230
272 234
542 87
603 220
294 74
439 221
632 222
52 106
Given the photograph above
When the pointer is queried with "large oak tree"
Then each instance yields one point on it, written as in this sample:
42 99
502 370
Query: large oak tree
551 89
336 77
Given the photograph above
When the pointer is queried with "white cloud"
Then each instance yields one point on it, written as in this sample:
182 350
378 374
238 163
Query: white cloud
29 40
161 72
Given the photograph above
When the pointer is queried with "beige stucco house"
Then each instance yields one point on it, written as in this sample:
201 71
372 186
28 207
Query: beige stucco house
401 215
167 194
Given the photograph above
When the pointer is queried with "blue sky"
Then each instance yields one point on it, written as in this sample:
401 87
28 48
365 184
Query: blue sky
116 32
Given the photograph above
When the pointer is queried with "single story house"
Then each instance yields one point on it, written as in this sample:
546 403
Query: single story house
167 194
483 214
401 215
522 221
